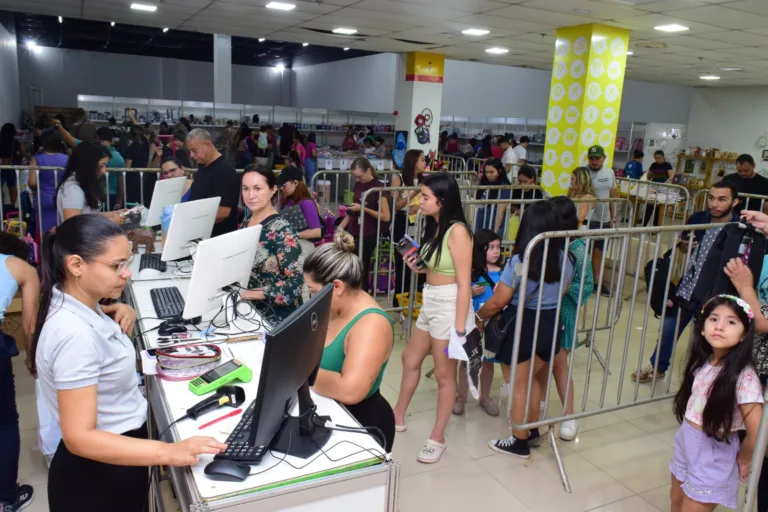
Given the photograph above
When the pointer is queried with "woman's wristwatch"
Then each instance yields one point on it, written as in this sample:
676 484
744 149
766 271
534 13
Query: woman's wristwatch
461 334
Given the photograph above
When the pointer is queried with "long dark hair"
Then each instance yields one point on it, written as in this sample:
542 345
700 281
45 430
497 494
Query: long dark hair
446 190
84 235
540 217
409 167
482 240
718 412
487 150
568 215
484 181
84 166
7 140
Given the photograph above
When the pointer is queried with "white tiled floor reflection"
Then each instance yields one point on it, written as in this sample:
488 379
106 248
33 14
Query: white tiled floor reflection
618 463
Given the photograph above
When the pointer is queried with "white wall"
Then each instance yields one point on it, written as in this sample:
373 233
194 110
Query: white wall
63 74
730 119
10 110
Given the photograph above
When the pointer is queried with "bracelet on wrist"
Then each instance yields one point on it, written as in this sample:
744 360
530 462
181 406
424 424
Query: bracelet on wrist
461 334
477 316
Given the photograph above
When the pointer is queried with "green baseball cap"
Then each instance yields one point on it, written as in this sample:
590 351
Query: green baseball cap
596 152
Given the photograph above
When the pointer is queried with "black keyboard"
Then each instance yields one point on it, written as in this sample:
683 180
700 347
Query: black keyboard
152 261
238 449
167 301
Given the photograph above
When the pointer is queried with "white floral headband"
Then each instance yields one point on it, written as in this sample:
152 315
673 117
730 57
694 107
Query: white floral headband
738 300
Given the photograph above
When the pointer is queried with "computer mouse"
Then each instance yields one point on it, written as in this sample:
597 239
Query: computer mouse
150 273
227 471
171 328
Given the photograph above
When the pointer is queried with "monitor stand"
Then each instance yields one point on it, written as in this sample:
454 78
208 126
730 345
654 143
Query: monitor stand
299 436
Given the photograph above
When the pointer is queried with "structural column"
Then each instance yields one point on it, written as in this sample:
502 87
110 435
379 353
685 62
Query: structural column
222 68
418 96
584 99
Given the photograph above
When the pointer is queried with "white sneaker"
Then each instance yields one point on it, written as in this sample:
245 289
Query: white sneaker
568 430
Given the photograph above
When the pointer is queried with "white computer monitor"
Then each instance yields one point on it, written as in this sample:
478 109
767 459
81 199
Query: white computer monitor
192 220
167 192
220 262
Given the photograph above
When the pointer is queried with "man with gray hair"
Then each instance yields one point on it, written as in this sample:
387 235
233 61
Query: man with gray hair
215 177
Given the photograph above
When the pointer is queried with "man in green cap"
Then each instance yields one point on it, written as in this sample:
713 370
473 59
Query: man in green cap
604 214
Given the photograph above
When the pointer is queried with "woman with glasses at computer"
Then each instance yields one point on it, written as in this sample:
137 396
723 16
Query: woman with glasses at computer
86 367
276 279
172 168
359 339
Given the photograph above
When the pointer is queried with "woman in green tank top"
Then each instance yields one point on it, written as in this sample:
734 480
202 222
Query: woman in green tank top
359 339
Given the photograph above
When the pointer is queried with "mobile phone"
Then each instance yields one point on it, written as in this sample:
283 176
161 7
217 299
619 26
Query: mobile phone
135 209
407 246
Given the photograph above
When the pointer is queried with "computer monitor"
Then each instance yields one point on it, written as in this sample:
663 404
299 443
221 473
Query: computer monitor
192 220
167 192
220 262
291 360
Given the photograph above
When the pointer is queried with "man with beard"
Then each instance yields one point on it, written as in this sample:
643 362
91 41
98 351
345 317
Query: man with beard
722 201
604 214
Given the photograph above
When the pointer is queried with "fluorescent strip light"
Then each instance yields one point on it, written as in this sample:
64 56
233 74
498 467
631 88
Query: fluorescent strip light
261 39
61 20
731 69
672 27
165 30
709 77
497 51
630 52
280 6
280 67
304 44
346 49
345 31
144 7
475 32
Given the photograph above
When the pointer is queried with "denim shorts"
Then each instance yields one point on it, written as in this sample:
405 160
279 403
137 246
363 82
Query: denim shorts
707 468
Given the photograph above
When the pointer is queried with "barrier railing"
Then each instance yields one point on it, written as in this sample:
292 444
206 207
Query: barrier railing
454 164
593 401
753 201
663 202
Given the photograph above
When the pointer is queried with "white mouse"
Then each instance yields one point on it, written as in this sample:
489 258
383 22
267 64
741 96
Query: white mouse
150 273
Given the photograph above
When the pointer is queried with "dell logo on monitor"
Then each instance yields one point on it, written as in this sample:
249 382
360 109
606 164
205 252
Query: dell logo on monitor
314 321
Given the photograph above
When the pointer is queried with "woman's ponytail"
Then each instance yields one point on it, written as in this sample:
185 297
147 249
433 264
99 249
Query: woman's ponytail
48 263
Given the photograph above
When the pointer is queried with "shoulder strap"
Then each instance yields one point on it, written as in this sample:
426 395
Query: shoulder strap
343 333
488 277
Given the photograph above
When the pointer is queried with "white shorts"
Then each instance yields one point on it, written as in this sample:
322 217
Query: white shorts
438 310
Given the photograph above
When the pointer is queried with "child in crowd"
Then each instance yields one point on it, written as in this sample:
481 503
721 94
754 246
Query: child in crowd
720 395
486 272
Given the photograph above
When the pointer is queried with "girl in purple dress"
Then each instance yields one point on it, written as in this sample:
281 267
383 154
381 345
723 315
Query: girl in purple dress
49 156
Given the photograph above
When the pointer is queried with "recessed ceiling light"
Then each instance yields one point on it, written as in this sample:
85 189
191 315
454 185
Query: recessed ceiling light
280 66
345 31
32 45
672 27
112 24
731 69
346 49
280 6
61 20
304 44
143 7
475 32
709 77
165 30
261 39
497 50
630 52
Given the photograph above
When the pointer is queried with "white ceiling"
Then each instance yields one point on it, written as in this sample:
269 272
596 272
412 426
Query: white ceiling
723 33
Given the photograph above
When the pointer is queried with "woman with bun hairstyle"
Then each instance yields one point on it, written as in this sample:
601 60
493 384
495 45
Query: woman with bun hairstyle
359 339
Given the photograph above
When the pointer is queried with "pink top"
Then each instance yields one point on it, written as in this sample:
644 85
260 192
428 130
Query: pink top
302 153
748 391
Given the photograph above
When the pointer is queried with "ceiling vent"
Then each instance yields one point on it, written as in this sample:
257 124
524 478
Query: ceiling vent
411 41
651 45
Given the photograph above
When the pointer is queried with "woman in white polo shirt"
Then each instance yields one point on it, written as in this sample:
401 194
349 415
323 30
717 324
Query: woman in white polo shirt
87 373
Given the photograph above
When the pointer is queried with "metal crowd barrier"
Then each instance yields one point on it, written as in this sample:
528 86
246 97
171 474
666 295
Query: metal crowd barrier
699 202
453 163
658 199
594 401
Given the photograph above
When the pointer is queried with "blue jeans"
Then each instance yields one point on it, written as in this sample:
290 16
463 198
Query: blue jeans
10 443
668 337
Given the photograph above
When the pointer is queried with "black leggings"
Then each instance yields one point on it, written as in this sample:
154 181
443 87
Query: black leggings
375 411
75 483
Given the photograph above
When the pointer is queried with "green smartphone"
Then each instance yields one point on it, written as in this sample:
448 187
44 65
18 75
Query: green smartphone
220 376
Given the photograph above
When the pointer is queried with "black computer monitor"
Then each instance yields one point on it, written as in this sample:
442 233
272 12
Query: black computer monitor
291 360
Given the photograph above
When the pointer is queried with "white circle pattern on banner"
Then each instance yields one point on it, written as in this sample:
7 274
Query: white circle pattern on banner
550 157
583 159
577 68
561 69
572 114
609 115
611 93
570 137
548 179
599 44
566 159
562 46
553 135
558 91
580 46
617 47
594 91
555 114
614 70
596 68
575 91
606 138
591 114
588 137
564 180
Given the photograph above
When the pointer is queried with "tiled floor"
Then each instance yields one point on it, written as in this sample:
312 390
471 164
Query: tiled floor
618 463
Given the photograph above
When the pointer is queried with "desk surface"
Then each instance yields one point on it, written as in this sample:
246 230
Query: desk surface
349 451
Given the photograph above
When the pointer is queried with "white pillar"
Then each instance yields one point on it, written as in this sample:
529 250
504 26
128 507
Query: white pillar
419 95
222 68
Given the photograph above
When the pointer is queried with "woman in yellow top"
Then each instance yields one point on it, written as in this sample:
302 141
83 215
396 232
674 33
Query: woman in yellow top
445 311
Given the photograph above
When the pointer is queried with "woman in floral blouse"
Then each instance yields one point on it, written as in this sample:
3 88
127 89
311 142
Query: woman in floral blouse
276 278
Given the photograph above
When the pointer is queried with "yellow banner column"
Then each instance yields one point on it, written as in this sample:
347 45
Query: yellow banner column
584 99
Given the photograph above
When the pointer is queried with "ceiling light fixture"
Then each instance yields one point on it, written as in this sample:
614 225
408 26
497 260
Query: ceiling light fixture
345 31
731 69
112 24
261 39
672 27
346 49
280 66
32 45
280 6
143 7
709 77
61 20
497 50
304 44
630 52
475 32
165 29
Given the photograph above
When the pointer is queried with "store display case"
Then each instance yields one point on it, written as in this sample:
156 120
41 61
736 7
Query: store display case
99 108
164 110
224 112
